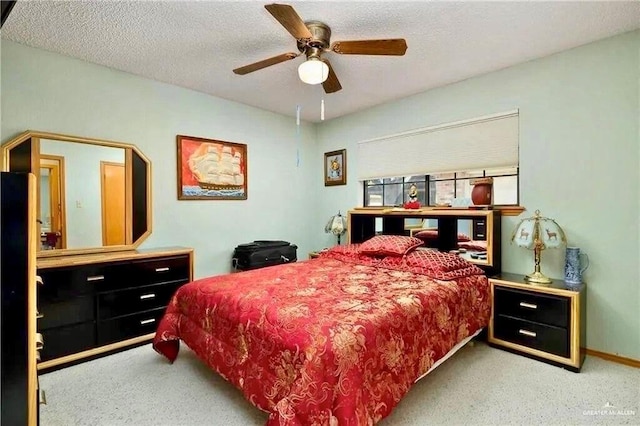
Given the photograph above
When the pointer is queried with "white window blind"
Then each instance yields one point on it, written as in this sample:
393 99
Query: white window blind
477 144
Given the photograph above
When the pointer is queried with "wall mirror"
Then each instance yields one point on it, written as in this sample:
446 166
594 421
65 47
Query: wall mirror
93 195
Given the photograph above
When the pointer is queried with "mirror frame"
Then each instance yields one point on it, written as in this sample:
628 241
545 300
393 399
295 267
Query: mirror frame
33 166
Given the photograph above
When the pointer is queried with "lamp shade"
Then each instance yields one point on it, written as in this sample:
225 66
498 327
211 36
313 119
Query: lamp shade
538 233
540 230
313 71
337 226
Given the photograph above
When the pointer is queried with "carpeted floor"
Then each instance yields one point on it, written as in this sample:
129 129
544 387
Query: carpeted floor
479 385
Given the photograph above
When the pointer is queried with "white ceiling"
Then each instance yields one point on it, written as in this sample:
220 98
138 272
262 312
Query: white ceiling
198 44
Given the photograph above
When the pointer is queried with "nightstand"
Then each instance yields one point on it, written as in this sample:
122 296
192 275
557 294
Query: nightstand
542 322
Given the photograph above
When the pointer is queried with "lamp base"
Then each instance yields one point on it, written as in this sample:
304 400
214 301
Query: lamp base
538 278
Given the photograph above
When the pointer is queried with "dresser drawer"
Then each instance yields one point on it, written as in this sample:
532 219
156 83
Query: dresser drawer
66 312
554 340
63 283
159 270
62 341
122 328
542 308
124 302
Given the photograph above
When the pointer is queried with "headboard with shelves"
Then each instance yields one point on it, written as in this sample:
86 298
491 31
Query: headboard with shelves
485 225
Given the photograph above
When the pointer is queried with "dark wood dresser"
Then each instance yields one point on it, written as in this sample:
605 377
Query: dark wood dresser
542 322
97 303
18 341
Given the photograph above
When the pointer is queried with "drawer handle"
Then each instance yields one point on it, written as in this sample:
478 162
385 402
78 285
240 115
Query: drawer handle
149 321
147 296
96 278
39 280
527 333
165 269
39 315
43 397
528 305
480 235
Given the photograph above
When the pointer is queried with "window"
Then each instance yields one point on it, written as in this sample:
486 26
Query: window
442 188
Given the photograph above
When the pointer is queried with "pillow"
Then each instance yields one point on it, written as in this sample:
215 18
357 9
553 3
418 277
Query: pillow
434 269
343 249
473 245
389 245
428 234
450 275
437 261
432 234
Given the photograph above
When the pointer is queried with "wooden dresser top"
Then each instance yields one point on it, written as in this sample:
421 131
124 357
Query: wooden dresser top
84 259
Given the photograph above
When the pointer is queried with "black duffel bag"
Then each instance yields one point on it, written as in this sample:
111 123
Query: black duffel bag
261 253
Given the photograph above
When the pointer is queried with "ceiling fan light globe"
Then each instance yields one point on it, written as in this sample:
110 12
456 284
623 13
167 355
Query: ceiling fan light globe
313 71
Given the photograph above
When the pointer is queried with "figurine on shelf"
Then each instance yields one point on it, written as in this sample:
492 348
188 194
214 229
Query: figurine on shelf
413 202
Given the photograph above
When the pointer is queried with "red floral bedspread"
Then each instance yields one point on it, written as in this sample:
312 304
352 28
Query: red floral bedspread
325 341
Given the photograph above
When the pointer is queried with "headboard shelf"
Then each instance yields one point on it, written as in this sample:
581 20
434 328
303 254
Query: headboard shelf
486 225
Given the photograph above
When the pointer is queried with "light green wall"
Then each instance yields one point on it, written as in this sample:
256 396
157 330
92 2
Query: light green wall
579 158
48 92
579 164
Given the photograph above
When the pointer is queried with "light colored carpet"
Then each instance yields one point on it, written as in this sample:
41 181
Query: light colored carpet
479 385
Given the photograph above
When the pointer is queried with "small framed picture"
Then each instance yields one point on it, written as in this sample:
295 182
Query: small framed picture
335 167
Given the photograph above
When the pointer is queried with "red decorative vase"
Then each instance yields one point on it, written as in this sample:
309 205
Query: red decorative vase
482 191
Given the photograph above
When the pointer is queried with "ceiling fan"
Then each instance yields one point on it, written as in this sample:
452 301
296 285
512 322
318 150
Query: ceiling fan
313 39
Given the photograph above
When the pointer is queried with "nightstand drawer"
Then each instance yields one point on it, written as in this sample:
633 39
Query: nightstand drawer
542 308
554 340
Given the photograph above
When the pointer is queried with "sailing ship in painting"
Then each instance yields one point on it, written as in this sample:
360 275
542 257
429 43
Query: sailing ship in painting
216 170
217 167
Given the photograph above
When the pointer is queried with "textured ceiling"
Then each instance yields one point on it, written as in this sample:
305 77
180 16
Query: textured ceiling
197 44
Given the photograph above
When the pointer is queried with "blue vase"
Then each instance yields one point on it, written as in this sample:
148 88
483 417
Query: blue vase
574 266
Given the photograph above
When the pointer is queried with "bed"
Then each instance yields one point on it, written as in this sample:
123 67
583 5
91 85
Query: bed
339 339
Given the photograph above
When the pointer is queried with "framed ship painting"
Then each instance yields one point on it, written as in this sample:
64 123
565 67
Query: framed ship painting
211 170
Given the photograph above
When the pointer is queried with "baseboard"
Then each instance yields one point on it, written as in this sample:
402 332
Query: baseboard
615 358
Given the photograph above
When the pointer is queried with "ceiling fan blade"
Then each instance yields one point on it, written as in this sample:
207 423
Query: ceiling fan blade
289 19
395 46
265 63
331 84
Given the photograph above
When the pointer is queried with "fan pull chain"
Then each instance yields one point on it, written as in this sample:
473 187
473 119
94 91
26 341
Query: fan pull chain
298 135
322 110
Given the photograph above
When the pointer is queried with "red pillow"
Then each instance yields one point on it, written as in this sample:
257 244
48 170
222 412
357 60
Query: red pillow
389 245
345 249
473 245
450 275
432 234
435 269
437 261
349 253
427 234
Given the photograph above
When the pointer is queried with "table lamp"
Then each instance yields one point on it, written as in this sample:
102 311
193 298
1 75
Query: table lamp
337 225
538 233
